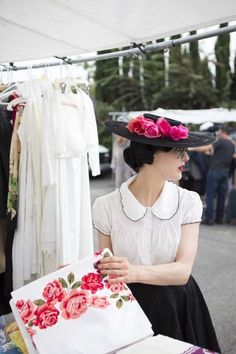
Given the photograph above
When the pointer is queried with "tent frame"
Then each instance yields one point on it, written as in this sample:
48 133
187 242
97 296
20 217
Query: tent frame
135 51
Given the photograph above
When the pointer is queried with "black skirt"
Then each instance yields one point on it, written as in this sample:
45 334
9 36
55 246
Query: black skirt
179 312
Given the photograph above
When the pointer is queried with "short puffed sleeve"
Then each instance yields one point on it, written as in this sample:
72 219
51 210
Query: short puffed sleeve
192 208
101 215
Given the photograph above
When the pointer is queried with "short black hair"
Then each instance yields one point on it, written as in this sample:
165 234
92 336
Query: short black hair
225 129
138 154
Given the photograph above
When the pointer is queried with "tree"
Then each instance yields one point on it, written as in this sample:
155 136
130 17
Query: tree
190 85
233 83
222 79
194 52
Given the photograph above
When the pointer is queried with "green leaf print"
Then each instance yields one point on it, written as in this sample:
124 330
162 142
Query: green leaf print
76 285
125 297
63 282
39 302
119 303
70 278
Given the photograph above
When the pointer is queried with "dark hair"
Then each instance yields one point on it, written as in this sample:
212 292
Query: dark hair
138 154
225 129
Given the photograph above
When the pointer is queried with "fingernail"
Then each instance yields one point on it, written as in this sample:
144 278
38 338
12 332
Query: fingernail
96 264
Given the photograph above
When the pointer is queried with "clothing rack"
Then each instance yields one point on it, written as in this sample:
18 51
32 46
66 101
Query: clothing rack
134 51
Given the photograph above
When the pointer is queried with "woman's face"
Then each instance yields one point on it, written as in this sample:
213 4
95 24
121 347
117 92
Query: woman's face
170 165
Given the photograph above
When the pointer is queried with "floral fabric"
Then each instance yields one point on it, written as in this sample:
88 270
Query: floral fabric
73 304
14 162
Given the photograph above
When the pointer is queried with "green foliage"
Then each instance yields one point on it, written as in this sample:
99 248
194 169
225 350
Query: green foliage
145 84
190 83
223 75
233 83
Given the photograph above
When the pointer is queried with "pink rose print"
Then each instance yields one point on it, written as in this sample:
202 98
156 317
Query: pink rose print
164 126
152 131
99 302
74 304
26 310
92 282
131 297
116 288
98 253
46 316
53 292
31 331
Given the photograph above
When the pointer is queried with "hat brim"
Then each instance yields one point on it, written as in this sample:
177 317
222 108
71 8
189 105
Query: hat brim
194 139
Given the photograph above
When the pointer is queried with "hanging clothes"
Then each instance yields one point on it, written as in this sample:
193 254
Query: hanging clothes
5 141
58 134
12 201
67 200
26 246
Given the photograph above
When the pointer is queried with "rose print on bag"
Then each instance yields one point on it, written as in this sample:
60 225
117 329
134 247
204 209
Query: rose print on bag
116 288
46 316
74 304
53 292
92 282
99 302
68 299
26 309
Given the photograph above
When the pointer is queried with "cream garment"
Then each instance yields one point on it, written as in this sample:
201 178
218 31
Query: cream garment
26 253
67 224
154 233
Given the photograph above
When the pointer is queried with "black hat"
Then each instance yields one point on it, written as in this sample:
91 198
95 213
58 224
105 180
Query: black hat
170 132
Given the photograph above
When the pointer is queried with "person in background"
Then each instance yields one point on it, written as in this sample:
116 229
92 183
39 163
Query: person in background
121 170
151 225
222 152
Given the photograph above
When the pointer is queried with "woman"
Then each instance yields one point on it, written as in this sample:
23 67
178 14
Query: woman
152 227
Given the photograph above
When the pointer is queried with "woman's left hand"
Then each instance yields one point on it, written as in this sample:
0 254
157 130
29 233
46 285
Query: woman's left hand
118 269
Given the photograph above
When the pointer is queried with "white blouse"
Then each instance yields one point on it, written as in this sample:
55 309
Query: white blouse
146 235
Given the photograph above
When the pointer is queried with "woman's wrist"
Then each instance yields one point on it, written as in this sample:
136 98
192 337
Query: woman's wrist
135 274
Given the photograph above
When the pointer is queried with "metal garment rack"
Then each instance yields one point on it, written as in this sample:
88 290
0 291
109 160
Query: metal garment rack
134 51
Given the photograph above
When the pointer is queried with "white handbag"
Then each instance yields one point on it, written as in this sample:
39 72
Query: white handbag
75 311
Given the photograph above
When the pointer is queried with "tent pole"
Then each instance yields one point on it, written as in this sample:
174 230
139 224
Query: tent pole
131 52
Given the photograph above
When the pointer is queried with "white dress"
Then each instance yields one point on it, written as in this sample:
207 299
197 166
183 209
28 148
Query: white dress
26 252
67 223
146 235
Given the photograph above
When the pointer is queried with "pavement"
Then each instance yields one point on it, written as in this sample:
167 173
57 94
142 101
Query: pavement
214 270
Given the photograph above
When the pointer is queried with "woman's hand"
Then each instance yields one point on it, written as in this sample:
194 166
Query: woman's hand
118 269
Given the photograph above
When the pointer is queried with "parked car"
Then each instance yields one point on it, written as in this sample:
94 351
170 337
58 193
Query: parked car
104 159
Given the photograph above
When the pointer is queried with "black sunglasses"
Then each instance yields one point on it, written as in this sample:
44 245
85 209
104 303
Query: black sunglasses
180 152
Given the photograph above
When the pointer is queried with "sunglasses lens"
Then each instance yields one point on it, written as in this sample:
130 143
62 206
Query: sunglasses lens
180 152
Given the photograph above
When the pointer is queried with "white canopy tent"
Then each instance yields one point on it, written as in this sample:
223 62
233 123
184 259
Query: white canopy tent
32 29
197 116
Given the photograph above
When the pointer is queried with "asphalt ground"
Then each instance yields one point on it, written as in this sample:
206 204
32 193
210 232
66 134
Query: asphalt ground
214 270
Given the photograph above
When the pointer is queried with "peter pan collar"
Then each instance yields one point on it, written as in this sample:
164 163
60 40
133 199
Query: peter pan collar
164 208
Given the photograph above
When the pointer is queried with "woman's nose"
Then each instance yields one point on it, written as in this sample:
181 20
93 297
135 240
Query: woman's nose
186 157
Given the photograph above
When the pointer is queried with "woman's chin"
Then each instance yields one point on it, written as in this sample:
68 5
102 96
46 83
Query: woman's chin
178 176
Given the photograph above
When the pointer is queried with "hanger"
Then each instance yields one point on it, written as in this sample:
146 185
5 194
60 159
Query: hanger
15 102
10 89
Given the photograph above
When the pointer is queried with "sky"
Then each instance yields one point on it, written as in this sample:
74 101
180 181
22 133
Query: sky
206 47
